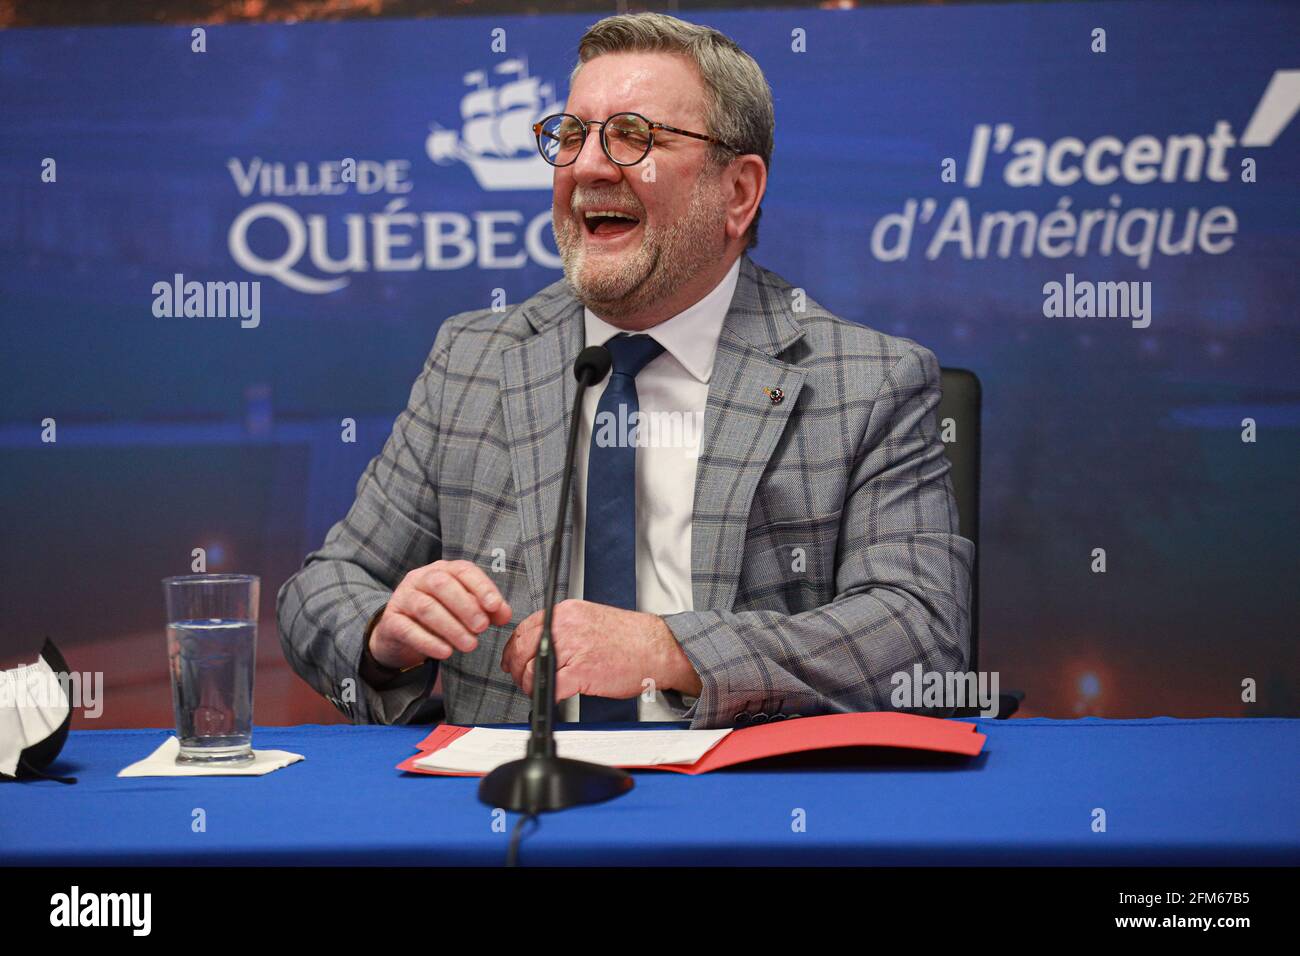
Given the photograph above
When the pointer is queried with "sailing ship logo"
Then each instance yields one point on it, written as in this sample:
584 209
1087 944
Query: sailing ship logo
496 139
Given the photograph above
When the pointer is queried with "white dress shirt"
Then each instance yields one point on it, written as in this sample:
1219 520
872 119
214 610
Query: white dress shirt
676 381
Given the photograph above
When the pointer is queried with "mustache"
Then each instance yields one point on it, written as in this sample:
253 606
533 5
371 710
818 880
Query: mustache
622 202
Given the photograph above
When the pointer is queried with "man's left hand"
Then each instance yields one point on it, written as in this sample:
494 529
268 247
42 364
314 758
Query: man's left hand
601 651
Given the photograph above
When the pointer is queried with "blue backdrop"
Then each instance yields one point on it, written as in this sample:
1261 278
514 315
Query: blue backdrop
236 164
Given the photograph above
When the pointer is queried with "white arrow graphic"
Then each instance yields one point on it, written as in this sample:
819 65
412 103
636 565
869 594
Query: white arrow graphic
1275 110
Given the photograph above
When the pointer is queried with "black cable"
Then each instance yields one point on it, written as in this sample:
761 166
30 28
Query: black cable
512 856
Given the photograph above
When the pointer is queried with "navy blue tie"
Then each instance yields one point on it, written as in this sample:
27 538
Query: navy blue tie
609 551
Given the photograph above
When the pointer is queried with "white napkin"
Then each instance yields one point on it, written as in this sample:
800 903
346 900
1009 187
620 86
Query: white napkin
162 763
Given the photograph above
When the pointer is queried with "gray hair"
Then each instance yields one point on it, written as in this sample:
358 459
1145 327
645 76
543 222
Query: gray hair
738 102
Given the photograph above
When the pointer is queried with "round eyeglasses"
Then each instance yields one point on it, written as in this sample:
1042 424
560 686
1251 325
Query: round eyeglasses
626 138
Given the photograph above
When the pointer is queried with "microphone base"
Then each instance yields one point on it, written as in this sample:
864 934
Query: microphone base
542 784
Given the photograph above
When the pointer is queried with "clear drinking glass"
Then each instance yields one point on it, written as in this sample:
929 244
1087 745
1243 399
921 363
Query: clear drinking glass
211 646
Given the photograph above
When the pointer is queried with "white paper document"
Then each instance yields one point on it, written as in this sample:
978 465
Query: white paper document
483 749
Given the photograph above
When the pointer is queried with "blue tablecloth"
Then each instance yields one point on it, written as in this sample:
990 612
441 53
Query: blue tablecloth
1173 791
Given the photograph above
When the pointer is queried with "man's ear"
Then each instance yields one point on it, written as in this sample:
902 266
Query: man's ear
746 180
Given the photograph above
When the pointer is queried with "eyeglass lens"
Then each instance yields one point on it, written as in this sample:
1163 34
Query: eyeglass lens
627 138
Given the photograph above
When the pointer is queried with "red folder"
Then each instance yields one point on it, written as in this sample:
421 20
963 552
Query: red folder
879 729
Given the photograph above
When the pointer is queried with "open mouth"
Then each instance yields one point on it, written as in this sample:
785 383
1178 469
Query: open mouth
609 223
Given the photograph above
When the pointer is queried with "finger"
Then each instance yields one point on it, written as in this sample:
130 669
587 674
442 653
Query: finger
441 584
508 650
410 633
530 675
436 619
525 650
484 589
566 683
521 654
514 642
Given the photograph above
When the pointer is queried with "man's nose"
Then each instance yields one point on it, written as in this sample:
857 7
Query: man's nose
592 165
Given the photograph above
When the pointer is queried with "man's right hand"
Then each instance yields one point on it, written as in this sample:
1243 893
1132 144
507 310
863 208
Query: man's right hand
437 609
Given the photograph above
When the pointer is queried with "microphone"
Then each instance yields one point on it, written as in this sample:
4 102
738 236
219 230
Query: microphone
541 781
593 364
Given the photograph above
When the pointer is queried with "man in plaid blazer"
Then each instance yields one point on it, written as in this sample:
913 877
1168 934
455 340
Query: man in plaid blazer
824 554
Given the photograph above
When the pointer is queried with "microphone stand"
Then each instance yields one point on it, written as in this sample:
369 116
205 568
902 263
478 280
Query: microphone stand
541 781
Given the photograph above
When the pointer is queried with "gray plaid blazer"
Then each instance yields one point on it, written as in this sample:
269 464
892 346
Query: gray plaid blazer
825 551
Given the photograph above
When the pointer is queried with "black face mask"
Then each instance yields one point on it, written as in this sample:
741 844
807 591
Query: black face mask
34 716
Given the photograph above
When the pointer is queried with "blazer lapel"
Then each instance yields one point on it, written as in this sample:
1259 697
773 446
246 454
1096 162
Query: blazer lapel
742 424
537 390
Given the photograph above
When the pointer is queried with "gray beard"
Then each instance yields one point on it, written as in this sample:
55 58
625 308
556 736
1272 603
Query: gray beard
668 258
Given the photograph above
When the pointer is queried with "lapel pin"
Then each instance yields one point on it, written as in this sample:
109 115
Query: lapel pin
775 394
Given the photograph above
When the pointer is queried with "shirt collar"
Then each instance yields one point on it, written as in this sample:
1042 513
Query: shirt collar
691 336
